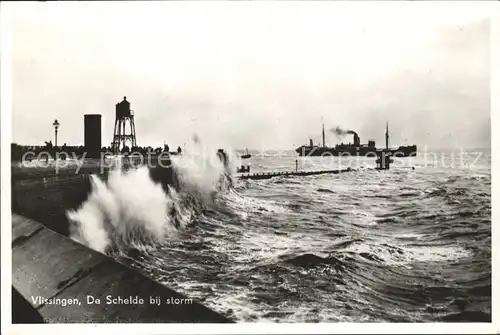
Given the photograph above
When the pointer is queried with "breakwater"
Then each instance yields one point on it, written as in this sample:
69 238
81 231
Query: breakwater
46 194
268 175
59 280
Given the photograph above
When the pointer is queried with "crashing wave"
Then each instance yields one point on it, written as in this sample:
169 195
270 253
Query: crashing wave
129 208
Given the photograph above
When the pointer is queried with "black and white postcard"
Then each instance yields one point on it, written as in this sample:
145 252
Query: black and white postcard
248 167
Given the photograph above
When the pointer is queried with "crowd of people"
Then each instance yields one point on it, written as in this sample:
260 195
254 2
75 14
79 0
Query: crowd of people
145 150
20 152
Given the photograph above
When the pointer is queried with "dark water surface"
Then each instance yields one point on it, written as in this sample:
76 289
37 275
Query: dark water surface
404 245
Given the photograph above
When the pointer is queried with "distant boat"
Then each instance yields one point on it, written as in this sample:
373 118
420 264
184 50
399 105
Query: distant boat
247 155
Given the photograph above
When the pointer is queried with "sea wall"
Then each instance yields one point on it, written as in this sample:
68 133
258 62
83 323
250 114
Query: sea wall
46 194
47 265
47 199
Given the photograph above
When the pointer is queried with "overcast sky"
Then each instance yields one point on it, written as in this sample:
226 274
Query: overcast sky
256 75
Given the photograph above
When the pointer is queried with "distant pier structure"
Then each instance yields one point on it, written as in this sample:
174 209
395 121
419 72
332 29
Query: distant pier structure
124 117
92 135
384 157
384 160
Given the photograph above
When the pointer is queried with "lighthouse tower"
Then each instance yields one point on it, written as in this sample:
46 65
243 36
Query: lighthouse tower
124 121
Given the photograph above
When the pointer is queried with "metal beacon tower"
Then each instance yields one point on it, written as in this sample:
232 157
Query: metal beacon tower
123 116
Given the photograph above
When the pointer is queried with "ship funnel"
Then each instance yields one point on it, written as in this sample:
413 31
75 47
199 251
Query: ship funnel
357 141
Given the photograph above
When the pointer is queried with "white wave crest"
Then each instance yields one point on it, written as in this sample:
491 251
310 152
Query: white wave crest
129 208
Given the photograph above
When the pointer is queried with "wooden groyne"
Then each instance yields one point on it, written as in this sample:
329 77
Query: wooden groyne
269 175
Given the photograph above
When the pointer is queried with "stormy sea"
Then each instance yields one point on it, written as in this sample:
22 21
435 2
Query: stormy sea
409 244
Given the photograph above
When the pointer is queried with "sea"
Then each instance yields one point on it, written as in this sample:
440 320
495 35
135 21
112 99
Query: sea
408 244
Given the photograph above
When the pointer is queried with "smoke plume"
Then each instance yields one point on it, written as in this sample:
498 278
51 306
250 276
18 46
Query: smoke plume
341 132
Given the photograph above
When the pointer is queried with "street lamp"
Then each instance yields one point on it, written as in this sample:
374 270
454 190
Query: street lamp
56 126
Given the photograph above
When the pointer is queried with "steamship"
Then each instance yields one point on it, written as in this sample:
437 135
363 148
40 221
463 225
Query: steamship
355 149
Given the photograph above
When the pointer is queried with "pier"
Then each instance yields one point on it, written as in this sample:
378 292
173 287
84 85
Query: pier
269 175
48 268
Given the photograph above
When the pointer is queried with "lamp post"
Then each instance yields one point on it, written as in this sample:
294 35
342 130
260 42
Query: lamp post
56 126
